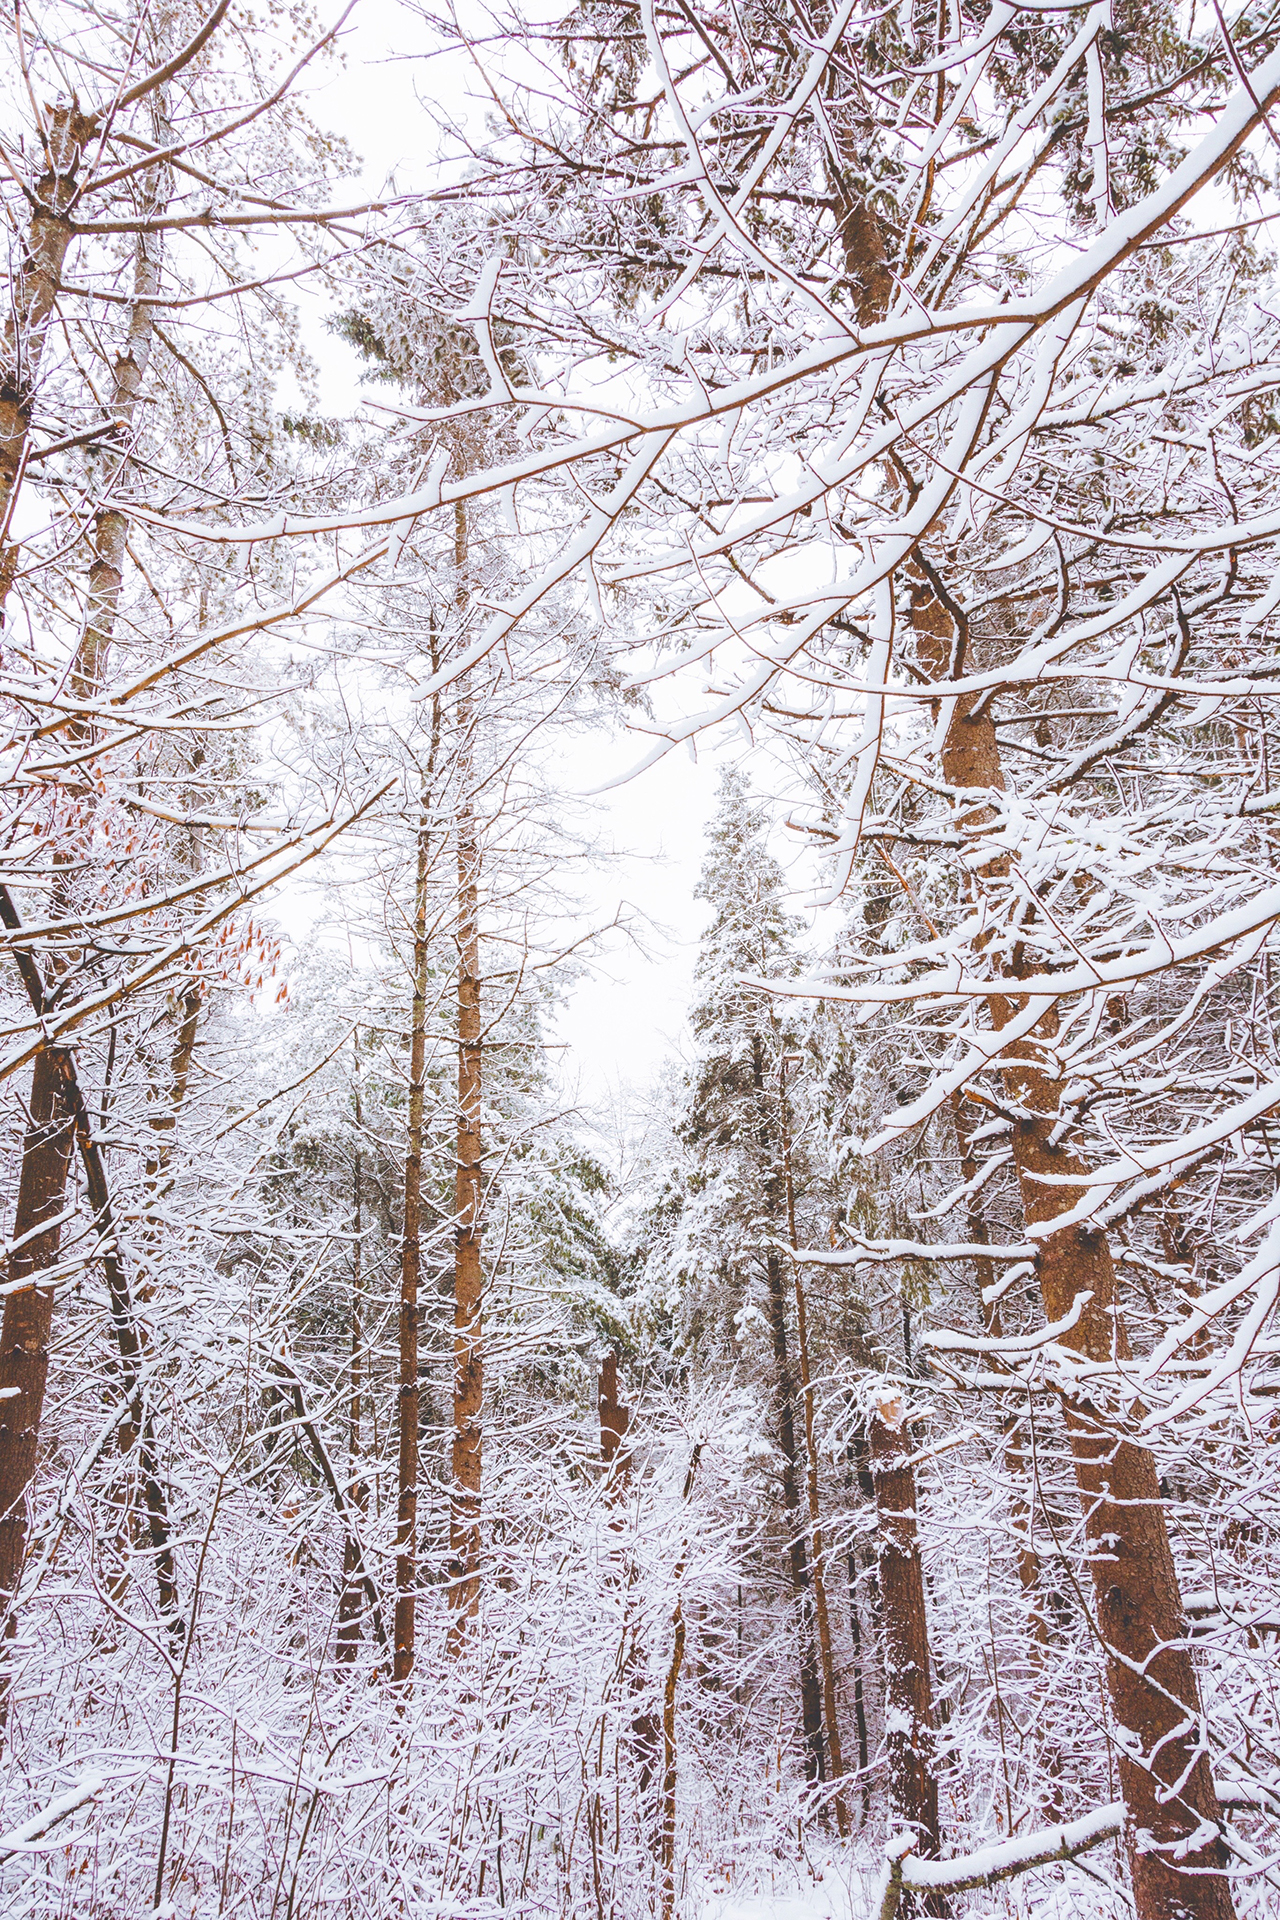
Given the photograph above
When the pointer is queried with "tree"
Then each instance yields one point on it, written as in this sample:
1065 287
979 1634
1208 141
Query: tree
727 1248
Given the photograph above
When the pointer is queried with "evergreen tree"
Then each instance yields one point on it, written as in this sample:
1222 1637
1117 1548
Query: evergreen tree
729 1235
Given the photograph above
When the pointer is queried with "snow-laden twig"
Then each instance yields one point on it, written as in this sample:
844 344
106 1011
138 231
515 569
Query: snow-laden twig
20 1839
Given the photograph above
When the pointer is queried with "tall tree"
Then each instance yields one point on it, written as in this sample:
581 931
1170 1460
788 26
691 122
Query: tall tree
735 1236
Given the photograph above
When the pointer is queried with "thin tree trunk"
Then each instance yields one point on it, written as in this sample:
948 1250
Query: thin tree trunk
408 1401
913 1784
468 1327
349 1606
110 530
165 1110
859 1687
822 1618
784 1389
468 1275
105 579
667 1828
1176 1856
810 1693
615 1424
34 289
28 1311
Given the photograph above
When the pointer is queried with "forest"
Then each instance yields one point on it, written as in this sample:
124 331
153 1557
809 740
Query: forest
842 1482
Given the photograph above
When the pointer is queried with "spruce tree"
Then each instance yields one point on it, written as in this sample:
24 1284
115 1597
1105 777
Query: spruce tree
734 1225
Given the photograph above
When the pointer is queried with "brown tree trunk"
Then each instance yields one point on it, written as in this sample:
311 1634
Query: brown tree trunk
139 1430
28 1310
1175 1855
408 1401
33 291
784 1391
1154 1694
646 1726
468 1330
615 1418
165 1109
24 1337
667 1826
798 1561
913 1785
105 577
123 1321
350 1604
106 571
822 1618
859 1685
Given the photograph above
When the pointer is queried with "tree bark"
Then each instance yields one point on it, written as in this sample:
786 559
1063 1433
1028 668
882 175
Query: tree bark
28 1311
784 1391
822 1618
409 1397
468 1327
124 1326
909 1723
667 1827
798 1561
1176 1854
110 529
349 1605
859 1685
615 1419
27 1321
33 292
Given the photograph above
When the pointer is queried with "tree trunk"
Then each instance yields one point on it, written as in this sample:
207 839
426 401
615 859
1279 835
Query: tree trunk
351 1601
166 1107
913 1785
110 530
667 1827
784 1390
24 1335
646 1726
404 1628
33 292
123 1322
821 1616
105 579
667 1834
614 1422
1175 1854
1154 1695
468 1348
859 1687
810 1693
28 1311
